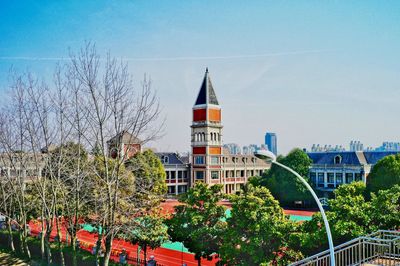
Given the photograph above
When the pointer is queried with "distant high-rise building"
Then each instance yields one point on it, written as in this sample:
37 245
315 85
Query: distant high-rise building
325 148
271 142
356 145
263 147
389 146
253 148
233 148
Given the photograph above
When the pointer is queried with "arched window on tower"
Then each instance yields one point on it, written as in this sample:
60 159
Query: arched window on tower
203 136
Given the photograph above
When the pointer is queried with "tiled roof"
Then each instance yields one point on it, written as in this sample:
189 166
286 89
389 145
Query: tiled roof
173 158
206 93
126 137
349 157
374 156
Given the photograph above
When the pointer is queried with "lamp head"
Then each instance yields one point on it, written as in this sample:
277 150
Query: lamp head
265 155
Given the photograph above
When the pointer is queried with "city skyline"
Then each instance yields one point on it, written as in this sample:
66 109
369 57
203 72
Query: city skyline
304 73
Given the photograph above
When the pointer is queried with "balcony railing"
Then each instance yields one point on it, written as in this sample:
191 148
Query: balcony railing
235 179
179 180
379 248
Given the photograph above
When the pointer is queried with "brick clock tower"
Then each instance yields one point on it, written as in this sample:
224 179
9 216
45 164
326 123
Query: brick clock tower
206 136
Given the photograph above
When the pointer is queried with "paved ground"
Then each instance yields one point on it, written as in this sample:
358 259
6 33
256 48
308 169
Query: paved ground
6 260
382 262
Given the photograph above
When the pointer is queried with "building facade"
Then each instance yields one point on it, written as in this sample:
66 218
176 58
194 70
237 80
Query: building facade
27 166
177 169
124 145
271 142
333 168
210 162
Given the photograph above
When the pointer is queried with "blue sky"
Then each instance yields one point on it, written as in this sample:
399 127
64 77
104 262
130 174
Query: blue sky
312 71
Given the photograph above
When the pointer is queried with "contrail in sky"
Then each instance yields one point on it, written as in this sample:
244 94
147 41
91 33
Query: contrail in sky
29 58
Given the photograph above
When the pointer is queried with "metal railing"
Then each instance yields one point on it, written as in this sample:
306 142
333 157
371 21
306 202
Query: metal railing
379 248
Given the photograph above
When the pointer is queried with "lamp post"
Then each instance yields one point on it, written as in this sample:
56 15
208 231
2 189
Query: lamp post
270 157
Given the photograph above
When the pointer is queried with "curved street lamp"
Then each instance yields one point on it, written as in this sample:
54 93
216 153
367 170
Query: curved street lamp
270 157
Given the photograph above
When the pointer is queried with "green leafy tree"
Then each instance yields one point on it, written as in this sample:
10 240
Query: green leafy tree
65 158
149 232
385 174
149 172
199 222
351 213
284 186
126 198
385 206
258 231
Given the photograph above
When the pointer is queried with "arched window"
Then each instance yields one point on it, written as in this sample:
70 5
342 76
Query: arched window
203 136
166 159
338 159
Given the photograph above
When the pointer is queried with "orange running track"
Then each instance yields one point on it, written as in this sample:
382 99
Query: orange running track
163 256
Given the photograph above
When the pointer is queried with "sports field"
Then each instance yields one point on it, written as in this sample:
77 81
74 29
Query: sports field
170 254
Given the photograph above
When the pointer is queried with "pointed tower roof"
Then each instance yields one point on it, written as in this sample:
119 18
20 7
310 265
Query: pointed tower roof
206 93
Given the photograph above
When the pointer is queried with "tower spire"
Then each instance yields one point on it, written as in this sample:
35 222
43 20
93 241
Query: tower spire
206 93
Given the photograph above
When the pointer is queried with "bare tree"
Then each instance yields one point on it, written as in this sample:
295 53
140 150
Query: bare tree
45 134
32 131
74 166
17 155
113 106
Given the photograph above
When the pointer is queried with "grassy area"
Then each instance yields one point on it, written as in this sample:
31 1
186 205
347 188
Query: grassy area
9 257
